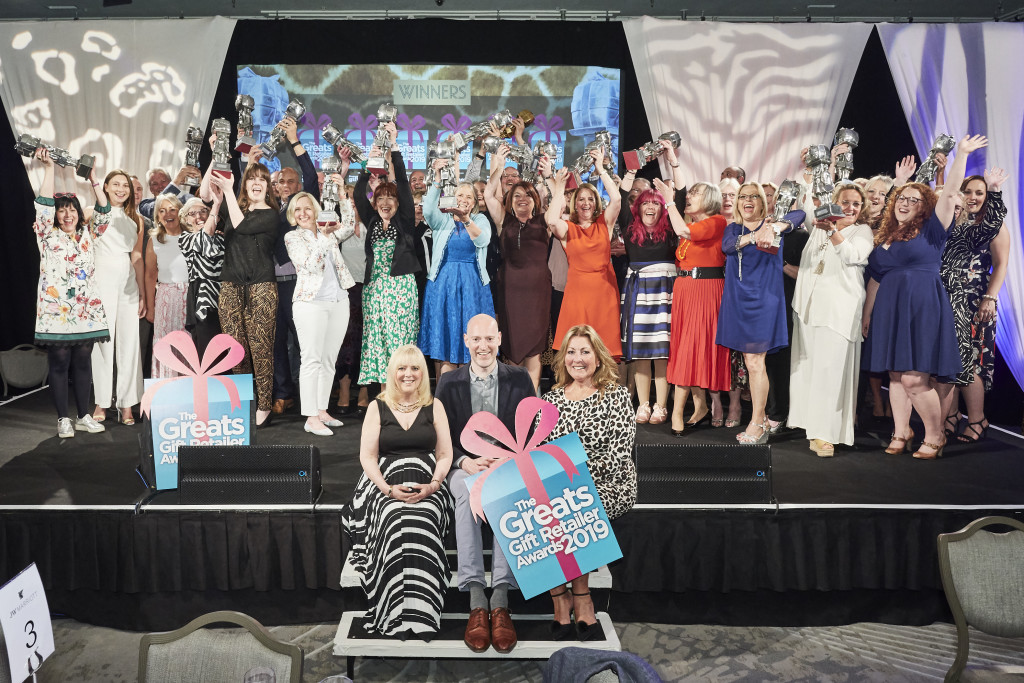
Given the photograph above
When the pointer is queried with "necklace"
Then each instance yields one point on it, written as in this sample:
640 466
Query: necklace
406 407
519 235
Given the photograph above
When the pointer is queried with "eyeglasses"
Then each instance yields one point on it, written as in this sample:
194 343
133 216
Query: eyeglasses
694 192
855 205
64 195
746 197
197 213
728 195
913 201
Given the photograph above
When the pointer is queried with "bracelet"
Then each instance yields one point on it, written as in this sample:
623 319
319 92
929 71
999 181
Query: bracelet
390 492
296 143
481 157
95 184
668 204
989 297
674 165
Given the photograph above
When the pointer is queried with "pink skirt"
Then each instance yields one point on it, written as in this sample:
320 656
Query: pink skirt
168 317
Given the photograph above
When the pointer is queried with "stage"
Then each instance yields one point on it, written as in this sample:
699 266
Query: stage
851 538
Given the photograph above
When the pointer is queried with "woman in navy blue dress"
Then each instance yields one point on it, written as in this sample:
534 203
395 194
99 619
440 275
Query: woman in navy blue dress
908 320
752 319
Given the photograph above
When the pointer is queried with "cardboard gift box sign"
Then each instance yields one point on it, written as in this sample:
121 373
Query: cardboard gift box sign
200 407
539 500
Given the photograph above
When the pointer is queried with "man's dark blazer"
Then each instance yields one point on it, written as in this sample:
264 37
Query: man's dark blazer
514 384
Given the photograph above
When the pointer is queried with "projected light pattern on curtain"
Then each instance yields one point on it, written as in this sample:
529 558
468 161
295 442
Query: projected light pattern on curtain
964 78
122 91
746 94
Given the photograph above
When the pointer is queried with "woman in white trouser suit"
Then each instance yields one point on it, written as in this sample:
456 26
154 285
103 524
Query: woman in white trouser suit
119 281
320 306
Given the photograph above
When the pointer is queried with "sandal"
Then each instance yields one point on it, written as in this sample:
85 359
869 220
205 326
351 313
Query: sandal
905 440
747 439
952 425
962 437
560 631
936 450
125 416
100 414
823 448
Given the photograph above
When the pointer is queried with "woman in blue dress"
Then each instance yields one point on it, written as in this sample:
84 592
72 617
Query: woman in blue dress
457 282
752 319
908 320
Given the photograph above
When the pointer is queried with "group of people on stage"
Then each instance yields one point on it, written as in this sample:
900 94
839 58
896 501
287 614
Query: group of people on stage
692 284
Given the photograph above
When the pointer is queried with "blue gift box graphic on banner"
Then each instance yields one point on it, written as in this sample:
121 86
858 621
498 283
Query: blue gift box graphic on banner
539 500
199 408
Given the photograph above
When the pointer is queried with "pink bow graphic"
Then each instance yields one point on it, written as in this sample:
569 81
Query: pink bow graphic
200 372
453 126
310 122
410 126
548 127
365 127
518 451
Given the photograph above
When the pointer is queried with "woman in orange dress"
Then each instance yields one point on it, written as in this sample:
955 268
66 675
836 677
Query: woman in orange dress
695 361
591 292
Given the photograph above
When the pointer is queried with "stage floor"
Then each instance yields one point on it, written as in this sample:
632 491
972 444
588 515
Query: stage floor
38 470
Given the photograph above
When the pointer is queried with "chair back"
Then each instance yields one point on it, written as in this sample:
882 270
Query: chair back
194 653
23 366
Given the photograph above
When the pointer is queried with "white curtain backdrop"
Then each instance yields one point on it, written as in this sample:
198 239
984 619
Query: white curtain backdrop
752 95
965 78
123 91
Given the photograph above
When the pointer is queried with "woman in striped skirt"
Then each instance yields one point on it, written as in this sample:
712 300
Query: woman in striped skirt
647 300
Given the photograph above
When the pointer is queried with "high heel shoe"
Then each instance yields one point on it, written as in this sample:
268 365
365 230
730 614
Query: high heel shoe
698 423
952 425
585 631
962 437
125 416
749 440
905 440
936 450
100 414
560 631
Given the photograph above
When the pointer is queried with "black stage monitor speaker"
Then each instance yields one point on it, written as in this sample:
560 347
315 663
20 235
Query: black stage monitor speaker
703 473
248 475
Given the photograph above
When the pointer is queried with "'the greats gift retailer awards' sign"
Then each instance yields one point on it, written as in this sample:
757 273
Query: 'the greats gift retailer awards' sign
25 621
199 408
540 500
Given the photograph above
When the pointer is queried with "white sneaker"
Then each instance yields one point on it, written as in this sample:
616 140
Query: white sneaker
89 424
64 428
319 432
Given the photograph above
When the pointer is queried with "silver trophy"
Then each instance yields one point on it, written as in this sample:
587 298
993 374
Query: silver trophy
523 157
221 164
428 177
541 150
244 104
784 200
929 169
334 136
329 198
193 144
844 162
479 129
27 145
448 175
295 111
638 158
386 113
577 168
818 159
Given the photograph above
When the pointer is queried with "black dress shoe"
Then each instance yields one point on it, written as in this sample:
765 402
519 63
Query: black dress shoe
698 423
266 423
585 631
562 631
678 433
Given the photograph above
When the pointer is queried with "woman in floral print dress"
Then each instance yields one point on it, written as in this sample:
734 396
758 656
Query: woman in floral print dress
69 315
390 302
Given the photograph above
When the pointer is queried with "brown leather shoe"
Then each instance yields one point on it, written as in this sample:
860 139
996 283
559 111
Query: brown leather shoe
503 633
478 630
281 405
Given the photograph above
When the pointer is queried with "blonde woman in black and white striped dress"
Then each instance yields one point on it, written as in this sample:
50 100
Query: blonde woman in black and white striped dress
203 248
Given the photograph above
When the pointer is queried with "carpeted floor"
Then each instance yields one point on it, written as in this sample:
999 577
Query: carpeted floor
858 652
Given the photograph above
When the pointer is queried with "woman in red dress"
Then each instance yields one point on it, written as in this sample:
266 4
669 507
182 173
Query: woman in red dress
591 292
695 361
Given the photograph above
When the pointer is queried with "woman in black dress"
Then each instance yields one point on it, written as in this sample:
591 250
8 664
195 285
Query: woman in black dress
401 509
973 270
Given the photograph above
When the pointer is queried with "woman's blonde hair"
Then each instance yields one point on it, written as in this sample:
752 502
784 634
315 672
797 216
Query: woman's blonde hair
159 230
406 355
736 215
295 200
193 203
606 373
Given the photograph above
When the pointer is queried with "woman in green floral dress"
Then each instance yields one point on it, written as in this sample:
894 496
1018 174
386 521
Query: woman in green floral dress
390 306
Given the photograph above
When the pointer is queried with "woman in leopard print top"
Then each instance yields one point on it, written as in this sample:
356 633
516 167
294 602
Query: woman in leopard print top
591 403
